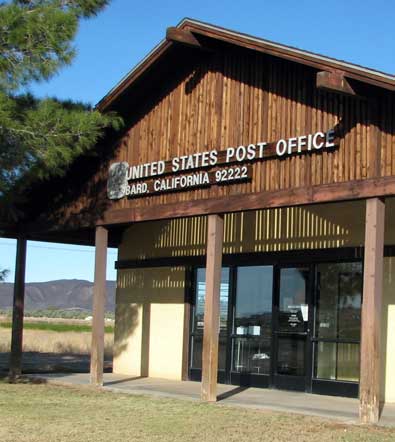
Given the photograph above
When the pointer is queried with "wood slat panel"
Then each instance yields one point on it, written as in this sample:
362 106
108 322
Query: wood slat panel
239 97
291 108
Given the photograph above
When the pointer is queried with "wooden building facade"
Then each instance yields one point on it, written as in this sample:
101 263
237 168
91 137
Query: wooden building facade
250 196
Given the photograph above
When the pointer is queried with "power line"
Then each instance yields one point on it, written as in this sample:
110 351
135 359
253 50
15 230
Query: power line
56 248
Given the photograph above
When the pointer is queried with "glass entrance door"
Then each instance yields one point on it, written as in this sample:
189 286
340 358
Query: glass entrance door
252 326
197 326
291 331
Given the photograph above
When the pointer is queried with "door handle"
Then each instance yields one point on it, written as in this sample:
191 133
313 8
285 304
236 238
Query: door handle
291 333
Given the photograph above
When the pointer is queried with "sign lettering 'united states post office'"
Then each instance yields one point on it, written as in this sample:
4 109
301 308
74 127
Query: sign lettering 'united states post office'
204 169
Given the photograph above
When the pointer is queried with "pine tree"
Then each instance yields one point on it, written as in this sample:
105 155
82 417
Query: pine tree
3 274
39 138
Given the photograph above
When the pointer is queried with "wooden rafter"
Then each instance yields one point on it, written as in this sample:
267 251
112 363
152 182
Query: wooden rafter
335 82
177 35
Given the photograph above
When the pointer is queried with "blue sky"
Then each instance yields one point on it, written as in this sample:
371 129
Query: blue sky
111 44
49 261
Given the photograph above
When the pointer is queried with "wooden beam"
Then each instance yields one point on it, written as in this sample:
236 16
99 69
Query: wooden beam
334 82
215 231
184 37
324 193
369 384
99 303
264 258
15 368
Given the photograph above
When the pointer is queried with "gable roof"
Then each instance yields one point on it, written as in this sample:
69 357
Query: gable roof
320 62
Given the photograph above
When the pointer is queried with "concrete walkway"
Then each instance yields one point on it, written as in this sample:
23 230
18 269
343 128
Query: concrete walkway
341 409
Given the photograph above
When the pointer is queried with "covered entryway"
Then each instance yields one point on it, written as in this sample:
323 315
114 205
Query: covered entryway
286 326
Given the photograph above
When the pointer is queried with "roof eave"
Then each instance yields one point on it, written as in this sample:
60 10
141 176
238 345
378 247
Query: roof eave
360 73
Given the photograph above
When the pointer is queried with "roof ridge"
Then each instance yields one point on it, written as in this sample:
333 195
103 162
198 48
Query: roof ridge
188 20
318 61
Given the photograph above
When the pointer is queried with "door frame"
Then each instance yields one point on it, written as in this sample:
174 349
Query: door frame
289 382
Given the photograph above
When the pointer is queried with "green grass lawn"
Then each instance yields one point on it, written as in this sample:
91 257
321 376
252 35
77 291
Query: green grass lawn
56 326
31 412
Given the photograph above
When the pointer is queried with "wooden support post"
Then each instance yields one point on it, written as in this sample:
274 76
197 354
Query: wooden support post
369 384
212 308
99 303
15 368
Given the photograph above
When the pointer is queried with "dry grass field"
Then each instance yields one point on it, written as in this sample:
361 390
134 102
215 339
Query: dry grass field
42 413
54 337
54 342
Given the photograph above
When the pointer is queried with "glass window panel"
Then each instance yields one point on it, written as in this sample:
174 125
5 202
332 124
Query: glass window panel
253 313
222 352
325 366
200 298
197 347
349 305
291 356
198 322
339 300
293 311
348 362
339 294
201 295
251 355
337 361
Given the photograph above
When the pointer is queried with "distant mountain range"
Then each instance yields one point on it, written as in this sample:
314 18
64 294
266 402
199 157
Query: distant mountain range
60 294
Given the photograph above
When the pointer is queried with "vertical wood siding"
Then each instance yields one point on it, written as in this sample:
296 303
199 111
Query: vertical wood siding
240 98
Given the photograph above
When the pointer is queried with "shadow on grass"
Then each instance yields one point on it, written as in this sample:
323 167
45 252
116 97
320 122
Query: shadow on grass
39 362
5 379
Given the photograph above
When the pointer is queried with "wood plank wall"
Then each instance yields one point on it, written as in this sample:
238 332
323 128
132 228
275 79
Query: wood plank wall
240 97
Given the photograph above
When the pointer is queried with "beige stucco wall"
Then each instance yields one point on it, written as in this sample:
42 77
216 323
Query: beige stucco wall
149 322
150 302
388 332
